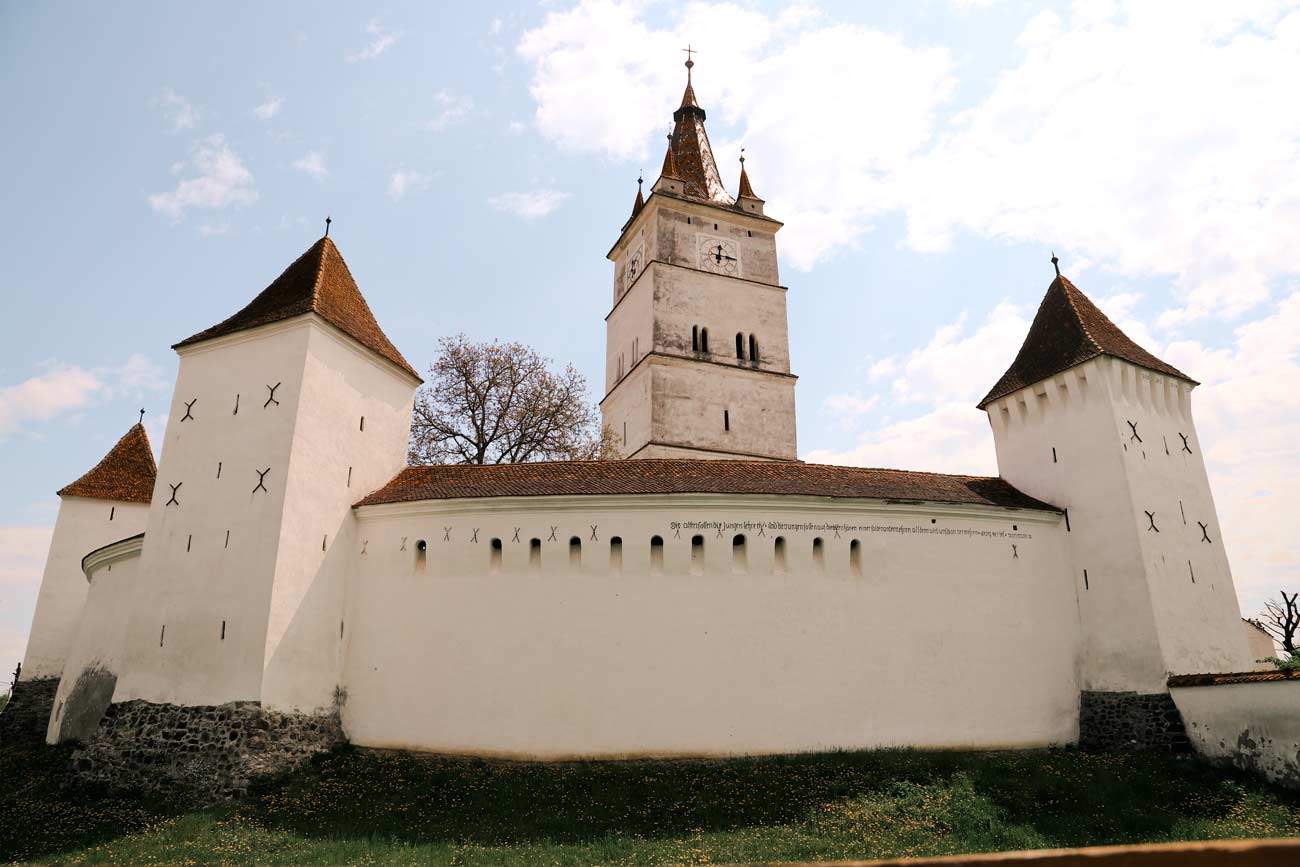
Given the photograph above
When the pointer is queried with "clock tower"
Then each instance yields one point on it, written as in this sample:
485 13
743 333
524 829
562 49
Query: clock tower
697 360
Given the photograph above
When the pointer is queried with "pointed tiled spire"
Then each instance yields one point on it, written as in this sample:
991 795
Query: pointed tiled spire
640 197
669 169
746 191
691 152
126 474
1067 331
317 282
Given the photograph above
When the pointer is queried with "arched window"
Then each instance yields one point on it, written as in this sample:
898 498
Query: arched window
753 350
494 559
704 340
535 554
740 346
575 552
697 555
421 555
656 555
855 558
819 553
615 554
739 560
778 555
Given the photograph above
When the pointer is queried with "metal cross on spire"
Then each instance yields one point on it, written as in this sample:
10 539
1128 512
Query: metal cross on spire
141 416
327 225
689 62
1056 264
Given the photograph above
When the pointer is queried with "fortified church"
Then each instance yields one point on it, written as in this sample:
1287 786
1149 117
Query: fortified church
282 580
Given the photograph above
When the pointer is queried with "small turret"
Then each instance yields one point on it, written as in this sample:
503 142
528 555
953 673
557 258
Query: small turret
746 200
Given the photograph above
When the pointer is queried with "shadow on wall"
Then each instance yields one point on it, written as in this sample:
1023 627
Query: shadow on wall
78 715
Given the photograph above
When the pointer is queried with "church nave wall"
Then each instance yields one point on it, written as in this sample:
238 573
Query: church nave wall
522 629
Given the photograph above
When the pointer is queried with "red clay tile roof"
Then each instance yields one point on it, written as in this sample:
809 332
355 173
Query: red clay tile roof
1232 677
317 282
692 155
1069 330
126 473
746 191
687 476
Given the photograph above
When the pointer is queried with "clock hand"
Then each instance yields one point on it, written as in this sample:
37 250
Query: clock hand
717 256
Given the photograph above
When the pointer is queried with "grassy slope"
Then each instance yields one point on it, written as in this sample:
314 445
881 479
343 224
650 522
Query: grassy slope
359 806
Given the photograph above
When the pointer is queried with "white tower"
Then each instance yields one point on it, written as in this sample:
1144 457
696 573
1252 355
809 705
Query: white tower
697 345
108 503
283 416
1089 421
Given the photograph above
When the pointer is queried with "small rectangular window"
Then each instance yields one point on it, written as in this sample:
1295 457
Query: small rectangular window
112 510
656 555
363 423
726 419
223 630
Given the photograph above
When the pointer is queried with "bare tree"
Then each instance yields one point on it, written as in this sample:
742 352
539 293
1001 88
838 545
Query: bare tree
501 403
1282 621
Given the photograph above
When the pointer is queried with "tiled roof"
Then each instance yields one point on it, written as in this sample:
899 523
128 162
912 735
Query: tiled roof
317 282
692 155
1069 330
126 474
688 476
1232 677
746 191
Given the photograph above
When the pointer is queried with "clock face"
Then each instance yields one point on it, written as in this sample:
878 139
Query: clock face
634 264
719 256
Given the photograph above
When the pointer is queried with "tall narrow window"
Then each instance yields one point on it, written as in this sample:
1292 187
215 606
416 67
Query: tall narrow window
421 555
740 346
778 555
494 559
726 419
819 553
656 555
636 349
704 340
575 553
855 558
697 555
695 338
753 350
112 510
535 554
363 423
739 559
615 554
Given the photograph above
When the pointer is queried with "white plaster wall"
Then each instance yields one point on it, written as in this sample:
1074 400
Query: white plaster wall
947 638
1142 619
192 579
626 411
632 320
684 297
333 463
1198 621
277 591
82 526
1261 646
1255 726
97 648
688 401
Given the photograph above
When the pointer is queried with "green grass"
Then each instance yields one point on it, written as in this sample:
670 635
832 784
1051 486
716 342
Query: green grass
359 806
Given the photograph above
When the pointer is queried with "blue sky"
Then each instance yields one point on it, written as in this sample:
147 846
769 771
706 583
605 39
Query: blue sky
168 160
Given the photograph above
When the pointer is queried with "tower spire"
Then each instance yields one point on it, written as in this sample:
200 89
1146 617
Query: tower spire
692 154
640 196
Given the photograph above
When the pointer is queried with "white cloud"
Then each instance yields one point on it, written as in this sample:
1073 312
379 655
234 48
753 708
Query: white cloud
22 559
180 114
312 163
269 108
209 230
381 40
1144 136
529 205
601 85
219 179
516 127
403 182
62 388
494 26
451 108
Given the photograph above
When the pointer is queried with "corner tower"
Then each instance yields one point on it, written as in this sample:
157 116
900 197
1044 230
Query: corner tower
1091 422
697 360
283 415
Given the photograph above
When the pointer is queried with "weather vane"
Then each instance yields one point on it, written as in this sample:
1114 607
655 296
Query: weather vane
327 225
1056 264
141 416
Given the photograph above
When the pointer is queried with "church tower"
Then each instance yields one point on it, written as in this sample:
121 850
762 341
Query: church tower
1091 422
697 360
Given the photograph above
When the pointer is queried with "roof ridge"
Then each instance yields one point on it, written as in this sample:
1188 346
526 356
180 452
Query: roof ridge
1066 286
325 244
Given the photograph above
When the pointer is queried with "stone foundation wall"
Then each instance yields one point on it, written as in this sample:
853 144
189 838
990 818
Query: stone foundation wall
205 753
1130 721
27 715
